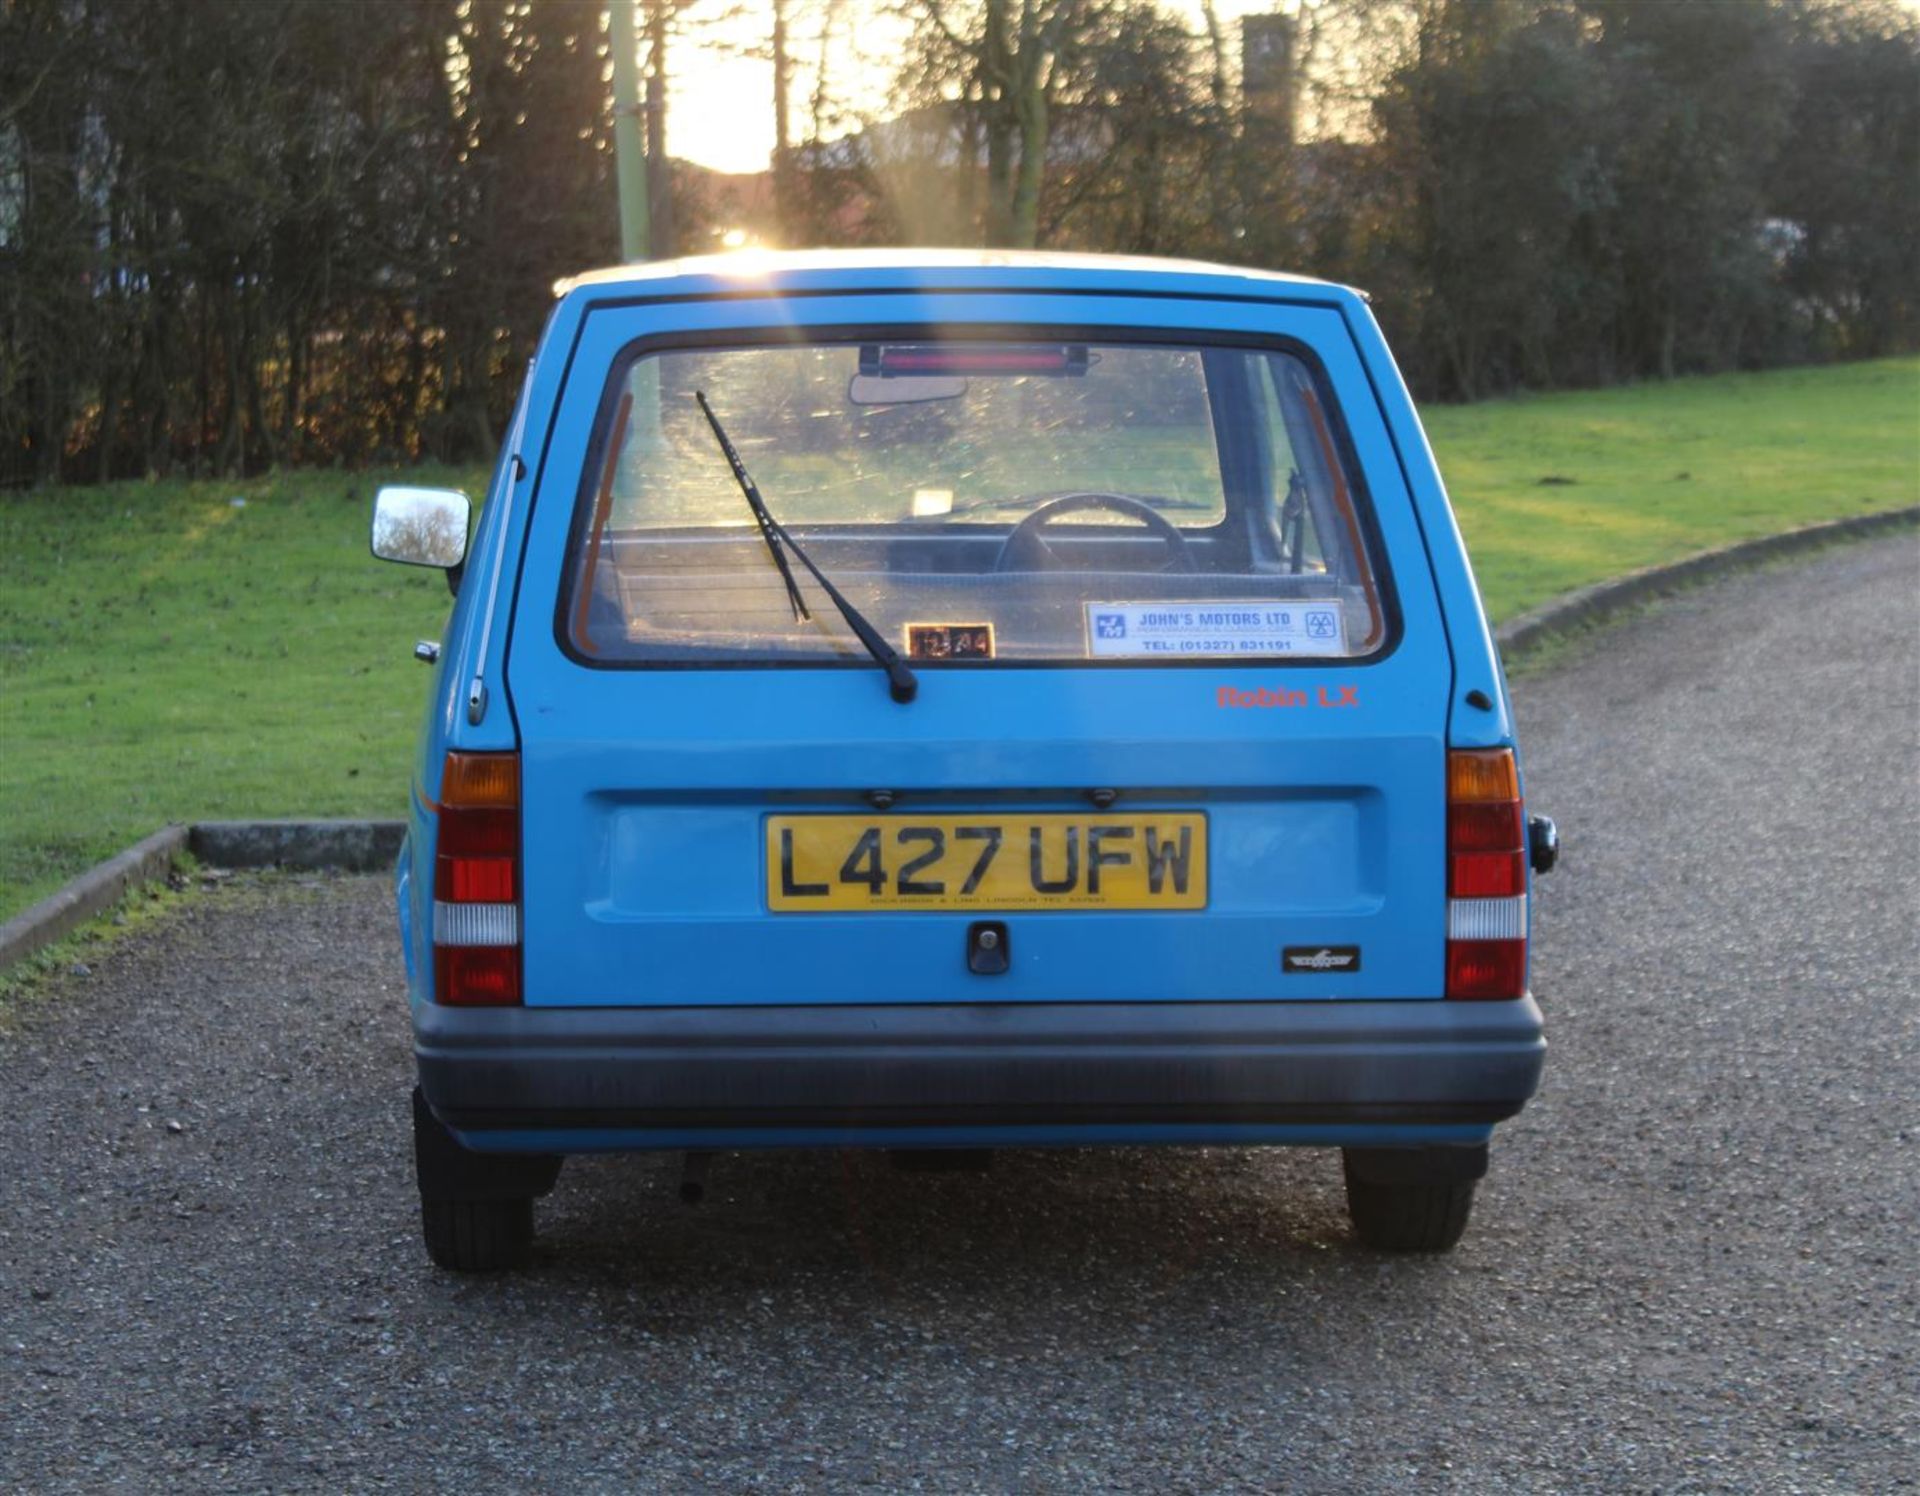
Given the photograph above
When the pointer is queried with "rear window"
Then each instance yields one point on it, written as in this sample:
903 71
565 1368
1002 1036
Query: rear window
1039 500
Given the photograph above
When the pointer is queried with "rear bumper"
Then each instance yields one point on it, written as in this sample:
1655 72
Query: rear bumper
1219 1067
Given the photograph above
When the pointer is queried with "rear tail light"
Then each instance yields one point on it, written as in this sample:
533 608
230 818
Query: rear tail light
1486 876
476 881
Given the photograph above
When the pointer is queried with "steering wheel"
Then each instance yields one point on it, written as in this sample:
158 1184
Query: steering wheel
1026 548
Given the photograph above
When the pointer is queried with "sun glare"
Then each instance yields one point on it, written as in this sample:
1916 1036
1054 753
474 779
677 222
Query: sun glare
721 109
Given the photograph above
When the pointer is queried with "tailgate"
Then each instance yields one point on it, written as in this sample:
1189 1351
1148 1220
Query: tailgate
672 851
1235 834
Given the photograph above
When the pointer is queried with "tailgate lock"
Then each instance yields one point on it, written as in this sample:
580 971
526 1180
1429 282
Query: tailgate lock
988 953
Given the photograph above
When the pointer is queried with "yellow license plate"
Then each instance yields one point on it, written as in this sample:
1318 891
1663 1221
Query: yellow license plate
1149 860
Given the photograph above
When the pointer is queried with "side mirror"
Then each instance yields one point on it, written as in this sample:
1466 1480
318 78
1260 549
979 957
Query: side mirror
421 526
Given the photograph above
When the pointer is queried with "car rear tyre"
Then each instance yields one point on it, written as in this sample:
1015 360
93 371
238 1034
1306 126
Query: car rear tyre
476 1209
1407 1215
478 1236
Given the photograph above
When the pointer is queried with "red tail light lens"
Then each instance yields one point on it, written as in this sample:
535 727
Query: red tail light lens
479 856
477 976
1486 876
1485 828
476 881
1480 969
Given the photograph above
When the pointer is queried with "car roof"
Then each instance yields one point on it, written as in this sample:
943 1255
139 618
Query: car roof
792 271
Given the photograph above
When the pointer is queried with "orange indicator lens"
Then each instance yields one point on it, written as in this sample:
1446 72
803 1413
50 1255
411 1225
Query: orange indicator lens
1482 775
474 781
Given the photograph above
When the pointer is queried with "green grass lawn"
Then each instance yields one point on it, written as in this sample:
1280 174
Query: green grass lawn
166 655
1556 491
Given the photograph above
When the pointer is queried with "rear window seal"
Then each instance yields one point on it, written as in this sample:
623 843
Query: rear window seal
775 335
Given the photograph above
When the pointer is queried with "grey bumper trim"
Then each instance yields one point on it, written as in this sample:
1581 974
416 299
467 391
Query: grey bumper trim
984 1064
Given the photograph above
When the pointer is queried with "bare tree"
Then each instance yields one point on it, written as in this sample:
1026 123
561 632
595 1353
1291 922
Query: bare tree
1009 59
246 232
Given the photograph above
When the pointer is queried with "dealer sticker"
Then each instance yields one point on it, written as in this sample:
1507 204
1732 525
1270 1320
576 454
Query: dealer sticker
1166 630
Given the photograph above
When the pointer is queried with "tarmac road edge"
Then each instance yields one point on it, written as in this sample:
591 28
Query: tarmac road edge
353 846
1587 606
92 893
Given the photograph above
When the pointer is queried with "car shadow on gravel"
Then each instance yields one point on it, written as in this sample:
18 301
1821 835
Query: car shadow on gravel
1113 1240
1038 1211
1055 1284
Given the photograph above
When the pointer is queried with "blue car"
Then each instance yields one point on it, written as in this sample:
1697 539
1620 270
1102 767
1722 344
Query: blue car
944 702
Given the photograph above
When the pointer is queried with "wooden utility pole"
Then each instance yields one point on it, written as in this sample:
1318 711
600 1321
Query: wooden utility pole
659 169
629 149
782 126
782 76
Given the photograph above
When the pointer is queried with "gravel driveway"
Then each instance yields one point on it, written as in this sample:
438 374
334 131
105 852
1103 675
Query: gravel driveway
1693 1266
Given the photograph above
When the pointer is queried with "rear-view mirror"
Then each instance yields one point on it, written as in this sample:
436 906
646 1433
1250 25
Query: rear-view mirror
908 389
421 526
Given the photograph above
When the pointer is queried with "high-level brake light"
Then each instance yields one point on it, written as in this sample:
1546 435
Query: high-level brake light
476 881
1486 876
896 360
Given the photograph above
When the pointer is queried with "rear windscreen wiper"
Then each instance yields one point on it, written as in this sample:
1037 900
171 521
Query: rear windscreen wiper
769 527
900 680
